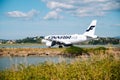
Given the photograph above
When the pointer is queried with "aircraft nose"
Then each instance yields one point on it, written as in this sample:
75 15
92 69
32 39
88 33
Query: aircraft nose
46 37
43 41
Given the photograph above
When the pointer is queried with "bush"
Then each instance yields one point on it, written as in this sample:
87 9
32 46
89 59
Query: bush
74 51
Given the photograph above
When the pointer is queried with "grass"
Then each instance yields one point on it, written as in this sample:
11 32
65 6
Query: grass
102 64
102 67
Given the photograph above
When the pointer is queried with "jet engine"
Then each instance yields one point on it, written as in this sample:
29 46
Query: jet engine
50 43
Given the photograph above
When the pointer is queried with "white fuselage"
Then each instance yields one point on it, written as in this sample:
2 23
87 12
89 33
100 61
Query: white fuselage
68 39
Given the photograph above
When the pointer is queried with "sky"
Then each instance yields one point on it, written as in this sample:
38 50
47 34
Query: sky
30 18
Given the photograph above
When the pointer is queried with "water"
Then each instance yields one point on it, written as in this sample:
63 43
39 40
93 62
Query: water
8 62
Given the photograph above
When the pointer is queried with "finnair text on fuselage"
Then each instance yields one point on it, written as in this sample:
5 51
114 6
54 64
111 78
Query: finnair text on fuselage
59 37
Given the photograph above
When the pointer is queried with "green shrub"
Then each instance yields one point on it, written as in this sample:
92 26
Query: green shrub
74 51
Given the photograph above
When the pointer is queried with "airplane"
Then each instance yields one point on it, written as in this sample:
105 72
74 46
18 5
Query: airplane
70 40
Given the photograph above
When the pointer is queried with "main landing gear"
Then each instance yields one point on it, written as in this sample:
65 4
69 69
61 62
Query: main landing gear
60 46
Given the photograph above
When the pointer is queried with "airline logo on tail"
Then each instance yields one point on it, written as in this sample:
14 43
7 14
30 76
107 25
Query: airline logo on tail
90 28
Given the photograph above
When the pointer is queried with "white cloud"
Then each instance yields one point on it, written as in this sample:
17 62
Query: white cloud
110 6
87 12
88 1
54 4
16 14
83 7
19 14
53 15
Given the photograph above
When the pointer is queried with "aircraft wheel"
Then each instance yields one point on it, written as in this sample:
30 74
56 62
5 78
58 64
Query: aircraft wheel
49 46
60 46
